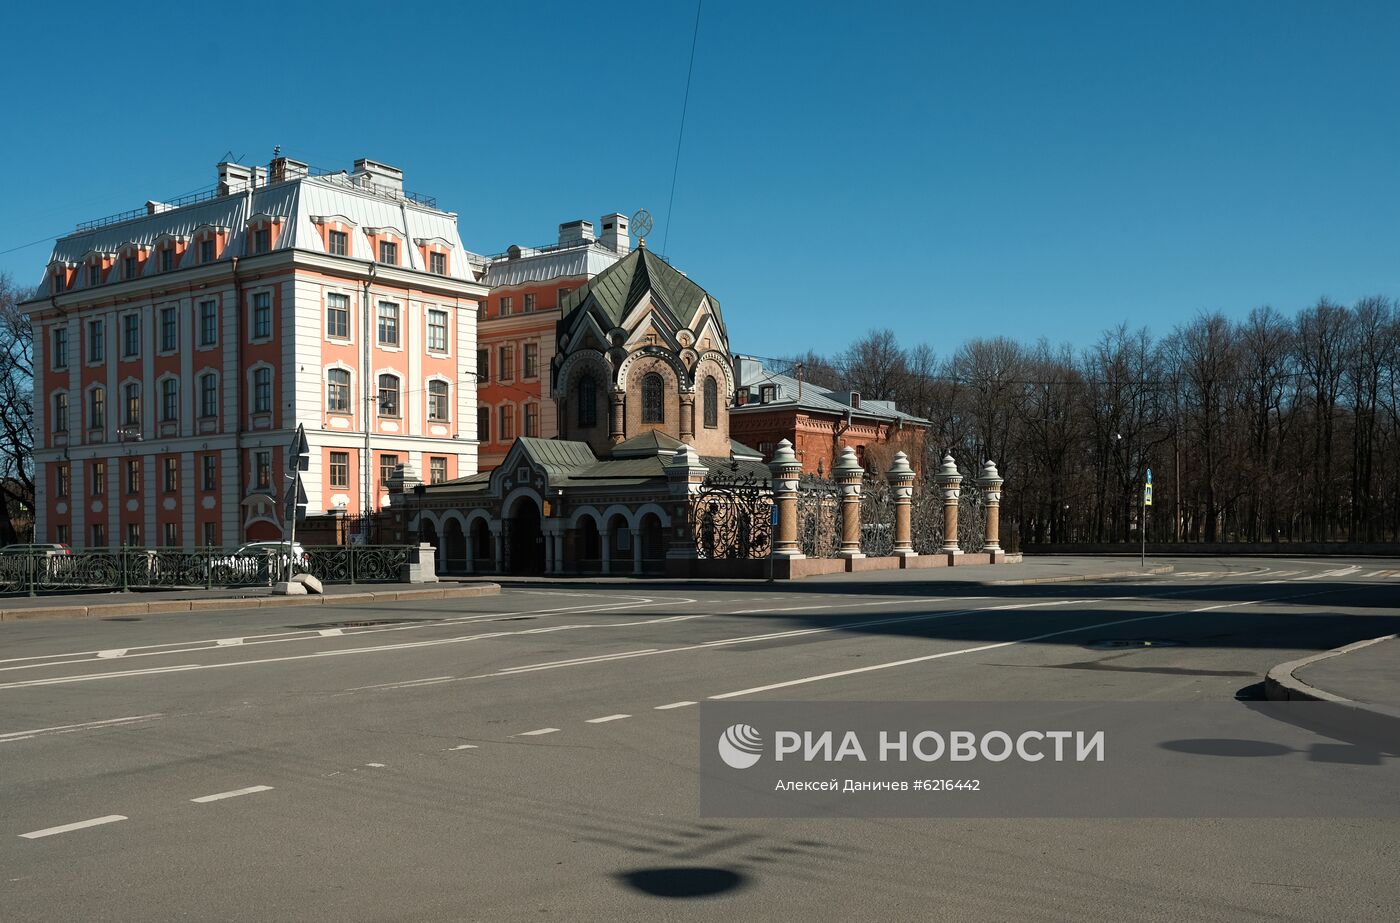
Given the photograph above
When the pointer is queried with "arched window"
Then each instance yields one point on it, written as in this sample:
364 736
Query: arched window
338 391
438 404
587 402
653 403
711 402
388 395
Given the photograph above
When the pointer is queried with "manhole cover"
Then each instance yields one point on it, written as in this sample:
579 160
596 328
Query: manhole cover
1119 643
358 623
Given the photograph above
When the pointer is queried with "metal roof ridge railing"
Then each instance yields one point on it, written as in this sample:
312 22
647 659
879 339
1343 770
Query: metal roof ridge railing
342 178
193 198
571 245
338 177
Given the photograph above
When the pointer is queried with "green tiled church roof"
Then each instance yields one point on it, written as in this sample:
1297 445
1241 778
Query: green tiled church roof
618 289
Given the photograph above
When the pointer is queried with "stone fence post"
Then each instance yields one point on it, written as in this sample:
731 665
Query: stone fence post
901 478
684 474
950 482
785 469
848 474
991 482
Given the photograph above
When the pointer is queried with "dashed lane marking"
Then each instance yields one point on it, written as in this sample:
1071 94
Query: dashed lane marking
250 790
673 705
606 718
461 747
537 732
68 828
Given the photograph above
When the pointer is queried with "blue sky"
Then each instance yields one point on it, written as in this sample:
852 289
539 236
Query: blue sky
948 170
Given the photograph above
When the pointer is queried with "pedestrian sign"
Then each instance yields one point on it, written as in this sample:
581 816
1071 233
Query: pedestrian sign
1147 490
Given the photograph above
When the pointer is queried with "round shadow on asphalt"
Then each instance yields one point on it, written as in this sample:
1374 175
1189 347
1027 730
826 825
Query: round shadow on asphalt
1224 746
683 881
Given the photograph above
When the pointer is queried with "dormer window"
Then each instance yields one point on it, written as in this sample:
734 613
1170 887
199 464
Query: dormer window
767 394
129 267
262 240
207 250
58 285
167 259
337 243
94 275
437 263
388 252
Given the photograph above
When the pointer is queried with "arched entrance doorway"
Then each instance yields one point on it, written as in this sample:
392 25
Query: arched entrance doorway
454 552
653 540
525 551
483 553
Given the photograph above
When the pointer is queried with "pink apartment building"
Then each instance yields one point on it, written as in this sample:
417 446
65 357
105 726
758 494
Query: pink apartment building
178 347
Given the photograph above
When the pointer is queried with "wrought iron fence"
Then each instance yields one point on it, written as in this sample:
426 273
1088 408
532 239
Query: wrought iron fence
35 572
731 515
876 517
926 518
818 516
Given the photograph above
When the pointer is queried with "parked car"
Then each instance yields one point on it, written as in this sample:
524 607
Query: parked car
15 567
260 562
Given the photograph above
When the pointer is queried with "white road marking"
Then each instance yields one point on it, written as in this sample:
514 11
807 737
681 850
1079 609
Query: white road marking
463 747
375 765
673 705
537 732
184 647
528 668
403 682
67 828
336 652
116 652
1339 572
250 790
330 632
969 650
228 642
778 635
606 718
65 728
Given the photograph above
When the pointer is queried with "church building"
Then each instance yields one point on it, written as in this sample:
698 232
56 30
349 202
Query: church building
642 381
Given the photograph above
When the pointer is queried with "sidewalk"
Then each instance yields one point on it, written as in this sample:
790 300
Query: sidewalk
1364 677
1365 673
1037 570
108 605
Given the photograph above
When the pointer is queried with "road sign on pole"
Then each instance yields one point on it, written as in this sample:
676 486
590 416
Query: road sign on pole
1142 518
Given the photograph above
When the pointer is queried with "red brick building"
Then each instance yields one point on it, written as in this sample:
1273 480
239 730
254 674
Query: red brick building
769 407
517 329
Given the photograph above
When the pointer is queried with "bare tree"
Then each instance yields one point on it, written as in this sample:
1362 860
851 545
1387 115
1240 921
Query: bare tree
16 411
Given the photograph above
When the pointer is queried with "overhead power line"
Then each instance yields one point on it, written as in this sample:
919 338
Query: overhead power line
685 106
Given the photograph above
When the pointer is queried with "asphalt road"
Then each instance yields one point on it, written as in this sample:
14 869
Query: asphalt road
534 755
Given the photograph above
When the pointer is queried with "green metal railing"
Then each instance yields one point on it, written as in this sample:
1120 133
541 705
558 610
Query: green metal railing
39 572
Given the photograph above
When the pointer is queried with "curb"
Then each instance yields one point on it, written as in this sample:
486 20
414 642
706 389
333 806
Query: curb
1281 685
1086 578
166 606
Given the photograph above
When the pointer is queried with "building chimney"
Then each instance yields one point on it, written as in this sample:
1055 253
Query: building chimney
379 175
615 236
155 208
285 168
575 232
233 178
